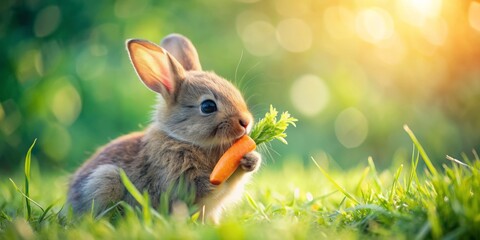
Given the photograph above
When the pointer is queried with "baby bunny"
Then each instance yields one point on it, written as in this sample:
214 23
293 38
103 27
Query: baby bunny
198 117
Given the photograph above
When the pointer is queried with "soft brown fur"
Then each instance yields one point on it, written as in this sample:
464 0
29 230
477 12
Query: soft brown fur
181 144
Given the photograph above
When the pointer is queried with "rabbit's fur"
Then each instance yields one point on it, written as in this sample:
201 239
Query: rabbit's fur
182 144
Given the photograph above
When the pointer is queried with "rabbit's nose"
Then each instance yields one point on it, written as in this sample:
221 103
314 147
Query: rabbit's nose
244 122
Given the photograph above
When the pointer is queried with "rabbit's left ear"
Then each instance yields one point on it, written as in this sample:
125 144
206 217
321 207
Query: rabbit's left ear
156 68
183 51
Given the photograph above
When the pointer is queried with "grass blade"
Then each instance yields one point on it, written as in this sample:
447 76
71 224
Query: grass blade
364 175
5 216
99 216
25 196
92 209
26 190
395 181
255 206
44 214
147 216
424 155
424 230
250 201
378 183
340 188
434 221
131 188
475 154
413 171
143 200
457 161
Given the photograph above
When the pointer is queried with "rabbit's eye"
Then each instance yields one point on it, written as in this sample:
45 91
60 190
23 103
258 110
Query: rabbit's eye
208 106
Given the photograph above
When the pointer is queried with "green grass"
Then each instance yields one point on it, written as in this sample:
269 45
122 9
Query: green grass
296 202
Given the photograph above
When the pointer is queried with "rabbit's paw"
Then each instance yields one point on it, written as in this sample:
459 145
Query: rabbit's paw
251 161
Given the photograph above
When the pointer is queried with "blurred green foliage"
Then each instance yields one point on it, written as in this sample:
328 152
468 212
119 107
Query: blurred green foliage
352 72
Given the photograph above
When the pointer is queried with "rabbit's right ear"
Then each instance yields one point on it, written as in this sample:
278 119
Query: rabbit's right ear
156 68
183 50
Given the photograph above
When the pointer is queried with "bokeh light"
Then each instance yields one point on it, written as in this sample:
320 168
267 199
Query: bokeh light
351 127
292 9
374 25
66 78
248 1
427 8
309 95
416 12
339 21
435 31
129 8
11 118
66 104
89 65
391 51
46 21
57 141
29 66
247 17
294 35
259 38
474 15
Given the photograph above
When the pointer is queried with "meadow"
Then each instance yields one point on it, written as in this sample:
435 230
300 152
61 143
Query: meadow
355 73
297 202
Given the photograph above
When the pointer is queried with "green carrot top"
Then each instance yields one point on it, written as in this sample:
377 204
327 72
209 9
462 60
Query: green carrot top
269 128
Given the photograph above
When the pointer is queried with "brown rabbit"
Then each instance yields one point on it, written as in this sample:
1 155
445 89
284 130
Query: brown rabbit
198 117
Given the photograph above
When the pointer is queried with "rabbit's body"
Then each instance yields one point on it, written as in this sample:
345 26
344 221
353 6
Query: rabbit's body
182 145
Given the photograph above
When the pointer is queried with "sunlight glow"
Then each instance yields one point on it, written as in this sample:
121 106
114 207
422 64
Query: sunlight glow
309 95
416 12
474 15
391 51
374 25
427 8
435 32
339 22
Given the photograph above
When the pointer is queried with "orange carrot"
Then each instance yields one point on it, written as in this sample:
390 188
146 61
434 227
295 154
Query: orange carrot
230 160
266 130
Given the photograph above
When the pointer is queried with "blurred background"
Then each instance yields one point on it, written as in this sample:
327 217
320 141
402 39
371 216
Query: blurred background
353 72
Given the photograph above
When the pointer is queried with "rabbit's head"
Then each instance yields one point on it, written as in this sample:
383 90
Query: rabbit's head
197 107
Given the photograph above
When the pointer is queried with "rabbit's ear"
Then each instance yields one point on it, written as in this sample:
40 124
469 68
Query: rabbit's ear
156 68
183 50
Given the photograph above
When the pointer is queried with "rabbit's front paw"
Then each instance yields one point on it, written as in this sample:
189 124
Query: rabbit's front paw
251 161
